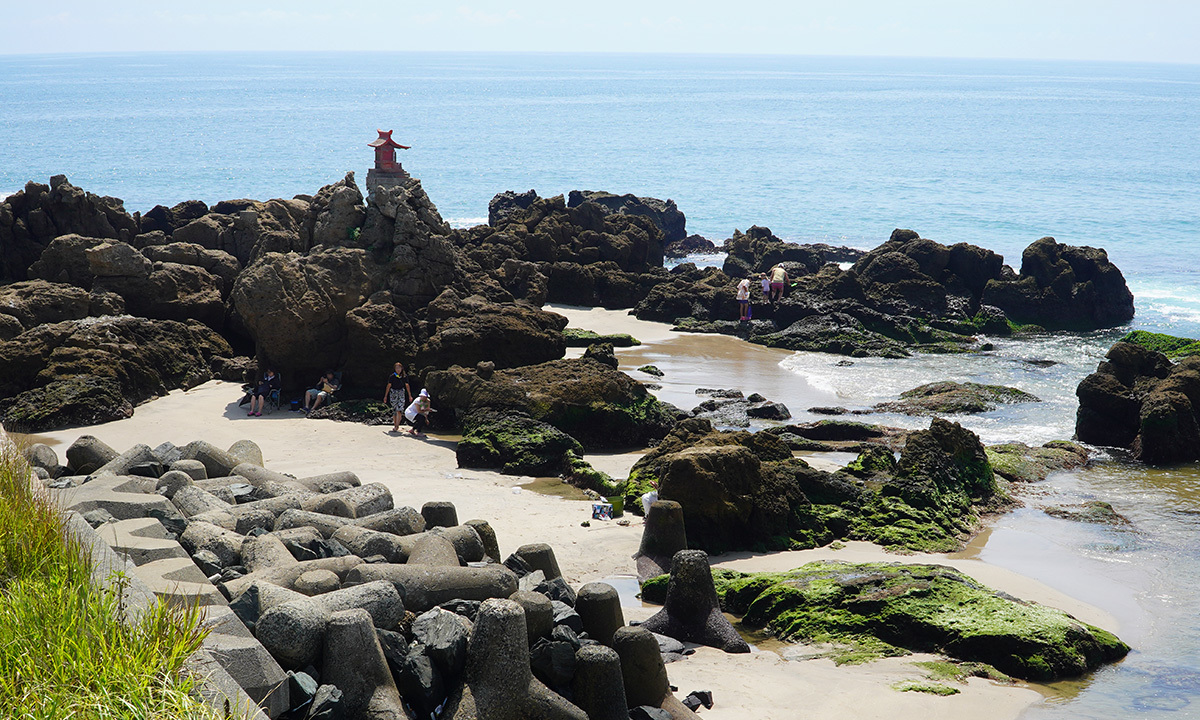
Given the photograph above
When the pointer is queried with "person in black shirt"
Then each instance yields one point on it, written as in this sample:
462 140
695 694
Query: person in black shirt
268 384
397 394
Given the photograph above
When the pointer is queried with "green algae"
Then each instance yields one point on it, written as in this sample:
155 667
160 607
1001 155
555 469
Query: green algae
577 337
516 444
889 609
1169 345
925 687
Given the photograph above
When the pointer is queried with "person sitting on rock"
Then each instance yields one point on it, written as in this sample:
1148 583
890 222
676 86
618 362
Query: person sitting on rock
397 394
267 385
418 413
326 386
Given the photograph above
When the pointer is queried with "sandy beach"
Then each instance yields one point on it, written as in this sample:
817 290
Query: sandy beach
761 685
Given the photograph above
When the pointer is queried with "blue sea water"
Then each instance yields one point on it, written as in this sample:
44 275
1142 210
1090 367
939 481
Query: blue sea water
839 150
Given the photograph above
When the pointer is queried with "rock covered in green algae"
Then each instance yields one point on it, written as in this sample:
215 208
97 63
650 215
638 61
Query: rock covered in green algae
742 490
955 398
597 405
1171 346
891 608
1019 462
1092 511
578 337
515 443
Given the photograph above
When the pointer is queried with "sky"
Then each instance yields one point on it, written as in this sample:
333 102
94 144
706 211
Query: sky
1104 30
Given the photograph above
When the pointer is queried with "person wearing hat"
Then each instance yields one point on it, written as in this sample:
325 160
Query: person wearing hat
418 413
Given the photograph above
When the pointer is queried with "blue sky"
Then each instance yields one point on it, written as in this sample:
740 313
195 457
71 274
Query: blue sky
1149 30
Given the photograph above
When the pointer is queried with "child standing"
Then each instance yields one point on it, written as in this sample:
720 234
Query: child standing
743 298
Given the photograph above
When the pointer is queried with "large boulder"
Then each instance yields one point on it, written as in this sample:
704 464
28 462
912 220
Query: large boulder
169 219
33 302
96 369
758 250
1139 399
741 490
590 401
219 263
335 215
1063 287
663 213
502 205
295 306
515 443
473 330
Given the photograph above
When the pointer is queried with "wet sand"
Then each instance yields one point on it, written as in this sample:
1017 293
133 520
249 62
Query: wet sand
760 685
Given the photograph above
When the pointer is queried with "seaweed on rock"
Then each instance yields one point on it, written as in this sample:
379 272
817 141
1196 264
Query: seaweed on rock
879 609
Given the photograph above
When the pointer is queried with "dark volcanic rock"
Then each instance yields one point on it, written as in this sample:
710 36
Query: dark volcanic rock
84 371
1139 399
690 245
941 398
515 443
473 330
746 491
664 214
1064 287
758 250
590 401
169 219
504 204
31 218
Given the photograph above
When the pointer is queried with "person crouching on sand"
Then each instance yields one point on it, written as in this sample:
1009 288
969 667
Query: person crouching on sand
397 394
743 298
418 413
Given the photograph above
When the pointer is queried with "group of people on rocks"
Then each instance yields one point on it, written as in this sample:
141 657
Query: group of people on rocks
409 401
774 282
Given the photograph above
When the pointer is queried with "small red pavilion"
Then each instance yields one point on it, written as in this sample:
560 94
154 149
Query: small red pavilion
385 152
387 170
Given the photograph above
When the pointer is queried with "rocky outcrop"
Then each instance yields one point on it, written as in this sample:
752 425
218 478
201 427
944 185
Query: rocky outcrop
295 306
1063 287
663 213
31 218
953 398
741 490
590 401
879 609
690 245
514 443
169 219
96 369
583 254
335 214
506 203
473 330
34 302
908 294
1138 399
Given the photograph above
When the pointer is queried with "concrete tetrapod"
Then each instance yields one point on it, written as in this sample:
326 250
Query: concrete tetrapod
439 513
598 686
88 454
425 586
294 632
692 612
499 684
599 608
355 664
540 556
644 674
662 537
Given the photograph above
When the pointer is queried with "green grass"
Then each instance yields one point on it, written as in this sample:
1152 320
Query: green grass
64 651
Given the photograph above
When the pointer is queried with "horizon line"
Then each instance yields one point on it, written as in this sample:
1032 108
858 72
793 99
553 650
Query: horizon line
614 53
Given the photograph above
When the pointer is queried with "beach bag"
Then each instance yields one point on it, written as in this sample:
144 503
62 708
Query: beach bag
411 411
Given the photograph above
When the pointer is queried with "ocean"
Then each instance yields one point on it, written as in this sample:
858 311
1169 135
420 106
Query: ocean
837 150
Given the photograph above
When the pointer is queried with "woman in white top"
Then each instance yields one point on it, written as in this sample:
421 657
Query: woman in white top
743 297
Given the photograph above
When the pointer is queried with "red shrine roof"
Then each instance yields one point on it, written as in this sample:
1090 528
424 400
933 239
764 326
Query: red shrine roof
385 140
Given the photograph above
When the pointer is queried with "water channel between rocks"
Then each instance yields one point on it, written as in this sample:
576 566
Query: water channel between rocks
1144 573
